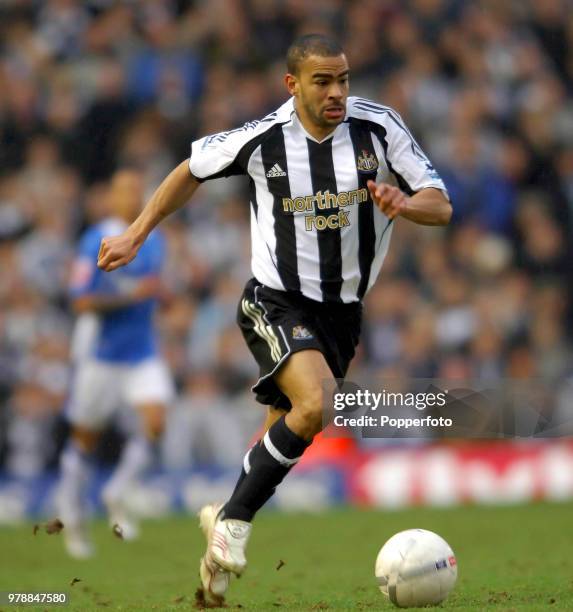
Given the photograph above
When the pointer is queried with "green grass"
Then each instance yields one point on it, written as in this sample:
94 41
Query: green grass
512 558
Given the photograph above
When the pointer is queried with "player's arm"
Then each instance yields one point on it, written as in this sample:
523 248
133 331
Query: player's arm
99 302
173 193
427 207
422 196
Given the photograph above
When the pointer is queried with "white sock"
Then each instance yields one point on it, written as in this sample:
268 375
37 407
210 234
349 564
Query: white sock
136 457
75 473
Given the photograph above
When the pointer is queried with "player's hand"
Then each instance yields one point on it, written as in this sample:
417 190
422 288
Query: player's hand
117 251
389 199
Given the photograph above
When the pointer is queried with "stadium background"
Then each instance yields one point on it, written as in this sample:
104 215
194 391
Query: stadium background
486 88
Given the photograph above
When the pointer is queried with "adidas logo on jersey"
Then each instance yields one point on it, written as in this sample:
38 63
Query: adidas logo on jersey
275 172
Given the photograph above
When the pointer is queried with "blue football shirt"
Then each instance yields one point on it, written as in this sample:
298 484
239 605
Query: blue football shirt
127 334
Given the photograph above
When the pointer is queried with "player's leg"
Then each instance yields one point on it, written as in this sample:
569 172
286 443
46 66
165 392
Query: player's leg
273 415
302 378
148 388
76 466
153 417
139 451
138 455
214 578
90 404
286 335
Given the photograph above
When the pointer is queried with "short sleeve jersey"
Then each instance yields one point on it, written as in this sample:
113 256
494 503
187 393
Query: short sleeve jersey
314 227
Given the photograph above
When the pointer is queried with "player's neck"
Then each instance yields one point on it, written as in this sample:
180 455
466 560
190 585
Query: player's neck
318 132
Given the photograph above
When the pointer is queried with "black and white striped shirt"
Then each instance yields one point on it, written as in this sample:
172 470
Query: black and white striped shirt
314 228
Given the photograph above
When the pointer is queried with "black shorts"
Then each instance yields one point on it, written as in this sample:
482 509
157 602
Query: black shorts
276 324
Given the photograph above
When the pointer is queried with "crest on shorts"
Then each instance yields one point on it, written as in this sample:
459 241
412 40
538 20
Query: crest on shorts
367 162
300 332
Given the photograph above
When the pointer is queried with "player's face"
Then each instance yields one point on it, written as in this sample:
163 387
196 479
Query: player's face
126 194
321 90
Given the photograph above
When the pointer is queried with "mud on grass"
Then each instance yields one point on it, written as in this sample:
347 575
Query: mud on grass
511 558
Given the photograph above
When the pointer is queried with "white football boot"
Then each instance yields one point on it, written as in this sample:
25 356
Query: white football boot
78 542
226 543
119 514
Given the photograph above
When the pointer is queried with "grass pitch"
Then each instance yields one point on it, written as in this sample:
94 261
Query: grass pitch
511 558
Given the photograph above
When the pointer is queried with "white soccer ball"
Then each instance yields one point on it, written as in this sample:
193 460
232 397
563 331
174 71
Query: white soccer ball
416 568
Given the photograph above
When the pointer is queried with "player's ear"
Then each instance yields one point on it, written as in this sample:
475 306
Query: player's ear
291 83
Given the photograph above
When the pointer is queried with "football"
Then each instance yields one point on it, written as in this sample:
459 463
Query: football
416 567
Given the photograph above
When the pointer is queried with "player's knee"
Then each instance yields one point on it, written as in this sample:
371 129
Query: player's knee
154 431
154 421
310 408
85 439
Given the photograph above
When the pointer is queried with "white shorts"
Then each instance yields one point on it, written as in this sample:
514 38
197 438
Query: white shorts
100 388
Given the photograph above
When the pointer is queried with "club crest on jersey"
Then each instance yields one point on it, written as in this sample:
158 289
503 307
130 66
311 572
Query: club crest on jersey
300 332
367 162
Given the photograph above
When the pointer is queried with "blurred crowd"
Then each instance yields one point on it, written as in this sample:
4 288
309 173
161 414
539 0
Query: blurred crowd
486 87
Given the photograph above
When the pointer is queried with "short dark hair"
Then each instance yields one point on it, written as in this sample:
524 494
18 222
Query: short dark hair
311 44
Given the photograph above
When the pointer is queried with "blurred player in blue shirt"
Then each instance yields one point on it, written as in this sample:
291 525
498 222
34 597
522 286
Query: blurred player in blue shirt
117 363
